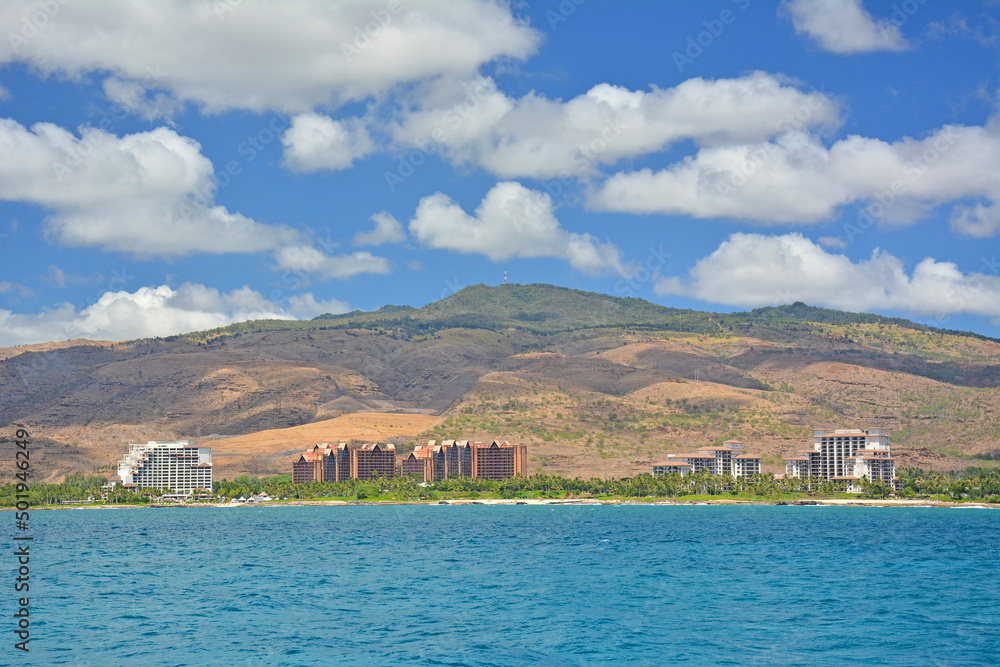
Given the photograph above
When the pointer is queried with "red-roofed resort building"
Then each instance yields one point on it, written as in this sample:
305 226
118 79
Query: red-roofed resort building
329 463
461 458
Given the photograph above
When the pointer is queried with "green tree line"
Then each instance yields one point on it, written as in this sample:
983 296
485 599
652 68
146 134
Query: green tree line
968 484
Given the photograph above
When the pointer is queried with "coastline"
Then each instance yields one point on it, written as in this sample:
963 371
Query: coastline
830 502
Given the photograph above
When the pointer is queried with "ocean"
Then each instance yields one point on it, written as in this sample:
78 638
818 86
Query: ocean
513 585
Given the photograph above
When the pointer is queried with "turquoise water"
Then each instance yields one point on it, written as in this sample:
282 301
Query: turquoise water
515 585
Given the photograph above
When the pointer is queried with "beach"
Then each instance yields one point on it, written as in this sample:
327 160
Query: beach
839 502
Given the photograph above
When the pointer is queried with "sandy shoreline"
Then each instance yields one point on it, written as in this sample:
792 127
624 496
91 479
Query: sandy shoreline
841 502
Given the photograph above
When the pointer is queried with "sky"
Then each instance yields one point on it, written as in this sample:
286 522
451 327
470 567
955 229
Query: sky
173 166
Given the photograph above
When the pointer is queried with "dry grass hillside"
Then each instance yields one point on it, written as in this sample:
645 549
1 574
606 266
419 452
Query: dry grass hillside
8 352
271 452
597 386
579 429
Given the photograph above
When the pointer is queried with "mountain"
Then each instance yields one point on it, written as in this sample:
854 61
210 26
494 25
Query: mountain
595 384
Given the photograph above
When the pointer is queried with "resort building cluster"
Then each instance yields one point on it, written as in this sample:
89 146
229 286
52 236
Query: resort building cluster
729 459
178 465
461 458
846 455
430 462
329 463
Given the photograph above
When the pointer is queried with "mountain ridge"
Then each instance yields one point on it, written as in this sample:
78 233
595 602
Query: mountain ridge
577 310
630 379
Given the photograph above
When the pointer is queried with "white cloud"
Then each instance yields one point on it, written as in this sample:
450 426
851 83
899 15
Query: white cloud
60 278
387 230
149 193
511 221
135 98
309 260
978 221
753 270
22 291
473 122
795 178
985 31
154 311
302 53
832 241
845 27
316 142
306 306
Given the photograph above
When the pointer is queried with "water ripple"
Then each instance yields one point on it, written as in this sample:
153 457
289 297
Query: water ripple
518 585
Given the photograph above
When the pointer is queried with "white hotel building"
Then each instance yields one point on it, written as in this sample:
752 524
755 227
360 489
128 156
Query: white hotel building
729 459
845 455
179 465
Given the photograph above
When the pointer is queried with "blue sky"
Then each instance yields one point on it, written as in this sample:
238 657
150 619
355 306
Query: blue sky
172 166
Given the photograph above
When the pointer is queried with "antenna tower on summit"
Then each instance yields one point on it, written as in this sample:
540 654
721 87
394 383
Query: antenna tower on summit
505 276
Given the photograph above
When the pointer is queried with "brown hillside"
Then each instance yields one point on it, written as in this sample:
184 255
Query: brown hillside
271 452
593 402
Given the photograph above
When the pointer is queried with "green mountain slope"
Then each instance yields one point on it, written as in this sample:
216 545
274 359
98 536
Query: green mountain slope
547 309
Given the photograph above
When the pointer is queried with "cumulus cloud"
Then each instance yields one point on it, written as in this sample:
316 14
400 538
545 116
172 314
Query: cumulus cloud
315 142
387 230
845 27
796 179
753 270
149 193
473 122
306 53
313 261
511 221
155 311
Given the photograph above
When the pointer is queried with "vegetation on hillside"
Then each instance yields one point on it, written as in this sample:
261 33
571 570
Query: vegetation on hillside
595 384
549 309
